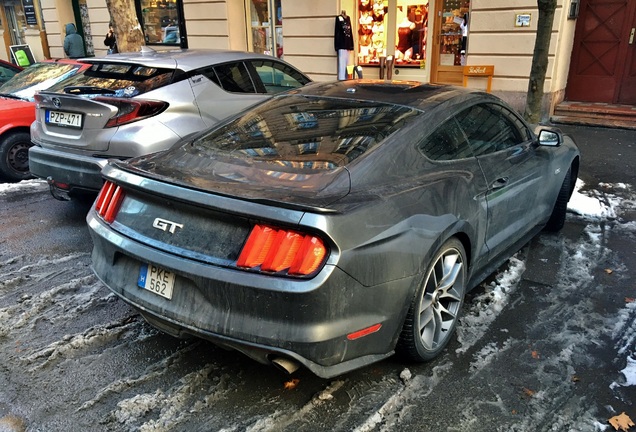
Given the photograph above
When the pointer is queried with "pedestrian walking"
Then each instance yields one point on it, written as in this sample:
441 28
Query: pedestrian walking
73 43
110 41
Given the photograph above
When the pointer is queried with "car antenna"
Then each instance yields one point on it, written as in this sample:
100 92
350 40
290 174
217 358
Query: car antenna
146 50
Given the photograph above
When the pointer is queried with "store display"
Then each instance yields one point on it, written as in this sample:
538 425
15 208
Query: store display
160 21
453 12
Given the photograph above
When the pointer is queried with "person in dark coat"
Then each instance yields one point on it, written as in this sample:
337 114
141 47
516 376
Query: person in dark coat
73 43
110 40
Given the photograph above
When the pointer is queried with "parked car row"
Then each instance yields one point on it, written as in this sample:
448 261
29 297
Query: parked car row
17 111
327 226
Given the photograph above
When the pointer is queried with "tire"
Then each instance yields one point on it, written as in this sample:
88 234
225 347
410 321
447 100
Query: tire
557 218
434 312
14 156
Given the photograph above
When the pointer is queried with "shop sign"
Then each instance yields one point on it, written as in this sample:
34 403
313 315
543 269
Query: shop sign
29 12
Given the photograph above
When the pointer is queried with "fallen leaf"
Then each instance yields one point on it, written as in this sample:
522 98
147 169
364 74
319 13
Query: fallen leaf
291 384
609 271
621 421
535 355
528 392
514 411
630 299
575 378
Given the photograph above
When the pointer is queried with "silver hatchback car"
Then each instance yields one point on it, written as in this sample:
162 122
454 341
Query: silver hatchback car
133 104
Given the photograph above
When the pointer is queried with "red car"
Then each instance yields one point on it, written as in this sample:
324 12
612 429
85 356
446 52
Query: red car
17 112
7 70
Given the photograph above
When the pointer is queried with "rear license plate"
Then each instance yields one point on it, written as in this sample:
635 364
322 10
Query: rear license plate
62 118
157 280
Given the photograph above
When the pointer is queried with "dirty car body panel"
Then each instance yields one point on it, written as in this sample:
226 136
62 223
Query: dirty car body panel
381 174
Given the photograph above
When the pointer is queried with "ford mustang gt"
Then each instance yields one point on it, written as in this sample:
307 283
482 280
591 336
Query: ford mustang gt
333 225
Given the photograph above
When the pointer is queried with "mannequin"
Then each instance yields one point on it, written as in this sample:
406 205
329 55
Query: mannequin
343 42
404 49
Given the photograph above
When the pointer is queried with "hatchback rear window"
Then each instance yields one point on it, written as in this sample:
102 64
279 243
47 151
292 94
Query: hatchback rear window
40 76
118 79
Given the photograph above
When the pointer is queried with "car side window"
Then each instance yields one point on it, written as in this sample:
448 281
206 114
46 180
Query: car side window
277 77
232 77
447 142
491 128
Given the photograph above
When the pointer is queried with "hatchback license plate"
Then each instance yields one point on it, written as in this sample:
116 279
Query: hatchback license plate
157 280
62 118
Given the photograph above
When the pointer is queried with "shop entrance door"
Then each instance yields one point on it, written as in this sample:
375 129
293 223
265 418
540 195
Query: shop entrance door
603 64
446 62
14 26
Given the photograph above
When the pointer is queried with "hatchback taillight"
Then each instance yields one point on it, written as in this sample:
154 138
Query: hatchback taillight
270 249
108 201
132 110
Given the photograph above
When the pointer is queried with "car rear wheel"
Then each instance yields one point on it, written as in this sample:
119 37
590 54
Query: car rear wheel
14 156
557 218
432 317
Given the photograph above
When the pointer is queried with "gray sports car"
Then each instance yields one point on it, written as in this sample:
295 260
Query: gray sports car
333 225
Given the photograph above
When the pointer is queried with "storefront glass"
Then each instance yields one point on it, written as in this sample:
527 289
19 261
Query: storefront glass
161 19
371 31
453 32
412 28
267 20
410 32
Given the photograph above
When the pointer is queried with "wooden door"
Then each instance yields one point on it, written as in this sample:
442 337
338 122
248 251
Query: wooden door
603 63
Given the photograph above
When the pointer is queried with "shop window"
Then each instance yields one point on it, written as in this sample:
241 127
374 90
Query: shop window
267 27
454 32
371 31
412 27
161 21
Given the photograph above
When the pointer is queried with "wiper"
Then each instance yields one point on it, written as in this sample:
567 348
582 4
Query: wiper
87 90
11 96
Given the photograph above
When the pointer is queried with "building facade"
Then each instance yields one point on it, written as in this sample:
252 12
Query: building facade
424 40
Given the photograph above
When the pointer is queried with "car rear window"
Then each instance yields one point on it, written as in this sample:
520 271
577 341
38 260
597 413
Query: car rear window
39 76
304 133
118 79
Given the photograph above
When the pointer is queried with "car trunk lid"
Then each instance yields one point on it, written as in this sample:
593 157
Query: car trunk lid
74 121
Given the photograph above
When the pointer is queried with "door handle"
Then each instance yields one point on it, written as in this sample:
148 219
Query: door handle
499 183
631 36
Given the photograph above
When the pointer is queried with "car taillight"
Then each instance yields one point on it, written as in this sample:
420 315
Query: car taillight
132 110
277 250
108 201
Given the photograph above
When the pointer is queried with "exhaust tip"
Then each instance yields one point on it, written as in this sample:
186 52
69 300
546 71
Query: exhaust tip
286 365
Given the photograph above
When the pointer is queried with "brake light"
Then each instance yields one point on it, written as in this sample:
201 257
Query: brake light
108 201
132 110
276 250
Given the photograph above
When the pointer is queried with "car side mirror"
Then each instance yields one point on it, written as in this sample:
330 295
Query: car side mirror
550 138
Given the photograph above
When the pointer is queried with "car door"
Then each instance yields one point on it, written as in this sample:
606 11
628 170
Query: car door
223 90
226 89
506 152
449 149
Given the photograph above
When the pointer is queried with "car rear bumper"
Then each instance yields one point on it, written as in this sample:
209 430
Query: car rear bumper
305 321
76 171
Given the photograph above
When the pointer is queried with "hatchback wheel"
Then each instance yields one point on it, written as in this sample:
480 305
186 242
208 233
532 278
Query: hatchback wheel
14 156
433 315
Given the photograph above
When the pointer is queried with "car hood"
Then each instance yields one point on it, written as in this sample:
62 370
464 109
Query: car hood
282 182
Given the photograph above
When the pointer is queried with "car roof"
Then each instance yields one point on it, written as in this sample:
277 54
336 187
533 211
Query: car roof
413 94
184 59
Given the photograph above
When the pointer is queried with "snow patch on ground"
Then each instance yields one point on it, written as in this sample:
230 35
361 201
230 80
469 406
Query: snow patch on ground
23 186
